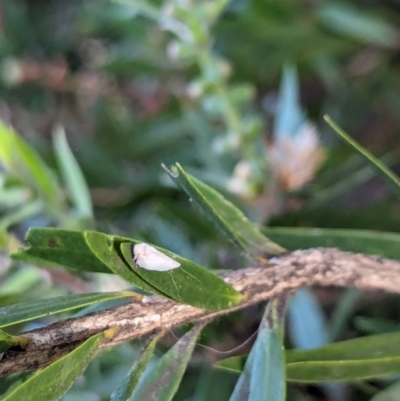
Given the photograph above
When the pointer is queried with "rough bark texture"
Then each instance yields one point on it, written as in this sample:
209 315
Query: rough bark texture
302 268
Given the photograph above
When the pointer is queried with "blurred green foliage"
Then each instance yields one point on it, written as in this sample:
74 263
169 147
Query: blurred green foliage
138 83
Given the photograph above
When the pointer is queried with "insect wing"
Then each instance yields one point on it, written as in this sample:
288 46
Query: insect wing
155 260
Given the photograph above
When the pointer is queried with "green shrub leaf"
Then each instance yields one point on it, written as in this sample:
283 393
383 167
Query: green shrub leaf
354 22
26 164
97 252
352 360
345 371
189 283
391 393
54 380
161 380
233 364
106 248
30 310
125 389
24 212
369 347
364 241
54 246
72 175
388 175
227 217
263 377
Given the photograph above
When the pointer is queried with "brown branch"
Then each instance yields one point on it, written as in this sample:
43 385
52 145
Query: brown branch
312 267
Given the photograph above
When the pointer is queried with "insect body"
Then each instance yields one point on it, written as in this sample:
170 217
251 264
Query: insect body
149 258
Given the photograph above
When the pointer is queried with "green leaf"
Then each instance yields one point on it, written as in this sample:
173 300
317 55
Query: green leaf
9 382
364 241
72 174
342 371
7 341
371 325
161 380
354 22
227 217
125 389
233 364
24 280
23 212
13 196
53 381
388 175
307 322
358 359
369 347
339 181
263 377
289 117
58 247
30 310
351 360
391 393
107 250
97 252
190 283
343 310
25 163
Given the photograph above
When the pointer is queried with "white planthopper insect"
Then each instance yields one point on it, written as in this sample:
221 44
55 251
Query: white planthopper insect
149 258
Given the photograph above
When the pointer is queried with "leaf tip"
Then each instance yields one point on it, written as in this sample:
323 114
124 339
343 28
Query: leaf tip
173 172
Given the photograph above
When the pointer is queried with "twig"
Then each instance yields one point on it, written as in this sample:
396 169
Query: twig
302 268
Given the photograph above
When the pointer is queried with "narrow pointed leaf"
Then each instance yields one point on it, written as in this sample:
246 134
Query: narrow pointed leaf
189 283
343 311
243 385
24 212
25 163
72 175
9 382
358 359
371 242
340 371
98 252
54 380
351 360
234 364
30 310
290 116
263 377
104 247
388 175
357 23
125 389
7 341
161 381
307 323
391 393
227 217
58 247
369 347
375 325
